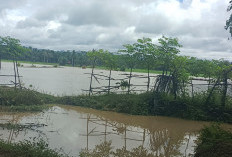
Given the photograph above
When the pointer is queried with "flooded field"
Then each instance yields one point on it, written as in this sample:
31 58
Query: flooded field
74 128
73 80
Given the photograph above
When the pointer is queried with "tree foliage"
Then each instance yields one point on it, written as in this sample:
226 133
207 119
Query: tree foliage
229 21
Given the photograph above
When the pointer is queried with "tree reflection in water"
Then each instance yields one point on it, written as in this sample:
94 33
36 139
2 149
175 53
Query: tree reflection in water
154 142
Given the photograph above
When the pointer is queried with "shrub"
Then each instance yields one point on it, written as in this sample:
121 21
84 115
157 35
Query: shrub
214 142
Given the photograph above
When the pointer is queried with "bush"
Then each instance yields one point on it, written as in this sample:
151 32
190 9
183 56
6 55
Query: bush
214 142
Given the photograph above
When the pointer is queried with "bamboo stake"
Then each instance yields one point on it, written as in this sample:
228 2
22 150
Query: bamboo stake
109 80
18 75
91 79
15 76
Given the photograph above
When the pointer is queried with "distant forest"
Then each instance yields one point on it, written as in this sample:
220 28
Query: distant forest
74 58
80 58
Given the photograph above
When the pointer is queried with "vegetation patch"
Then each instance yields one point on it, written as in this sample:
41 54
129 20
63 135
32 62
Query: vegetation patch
105 150
151 103
214 142
12 99
27 149
24 108
137 104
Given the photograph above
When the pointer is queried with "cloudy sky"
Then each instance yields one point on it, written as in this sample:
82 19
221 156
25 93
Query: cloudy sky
108 24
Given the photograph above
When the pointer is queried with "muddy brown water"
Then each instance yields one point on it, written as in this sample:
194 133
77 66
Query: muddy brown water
75 128
73 80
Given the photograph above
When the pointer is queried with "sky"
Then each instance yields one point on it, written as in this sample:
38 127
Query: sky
108 24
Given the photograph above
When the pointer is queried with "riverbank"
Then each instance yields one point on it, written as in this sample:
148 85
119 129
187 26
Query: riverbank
149 103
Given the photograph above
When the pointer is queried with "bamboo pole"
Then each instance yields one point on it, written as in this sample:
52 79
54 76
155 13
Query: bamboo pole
129 81
109 80
15 75
91 78
148 77
18 75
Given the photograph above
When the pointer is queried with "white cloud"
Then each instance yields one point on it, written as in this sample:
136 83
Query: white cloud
84 25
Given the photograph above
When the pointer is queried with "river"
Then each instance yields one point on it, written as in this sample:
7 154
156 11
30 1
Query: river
74 128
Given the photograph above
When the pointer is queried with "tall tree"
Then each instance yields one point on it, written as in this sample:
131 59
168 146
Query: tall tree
147 54
131 58
14 49
168 49
109 60
229 21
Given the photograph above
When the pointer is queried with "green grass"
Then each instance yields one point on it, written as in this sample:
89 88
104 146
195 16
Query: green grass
148 103
136 104
29 62
97 67
128 70
23 100
27 149
144 71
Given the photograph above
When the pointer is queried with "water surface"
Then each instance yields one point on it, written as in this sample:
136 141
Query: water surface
75 128
73 80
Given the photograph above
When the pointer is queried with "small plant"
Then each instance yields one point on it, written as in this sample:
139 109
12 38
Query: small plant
124 84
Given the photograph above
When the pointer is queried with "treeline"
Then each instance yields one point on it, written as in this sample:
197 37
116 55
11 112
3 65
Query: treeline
195 66
176 70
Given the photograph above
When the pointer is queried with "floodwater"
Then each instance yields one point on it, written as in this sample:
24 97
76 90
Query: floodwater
75 128
74 80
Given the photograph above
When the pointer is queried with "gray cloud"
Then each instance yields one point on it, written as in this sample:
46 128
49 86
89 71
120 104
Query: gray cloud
11 4
81 24
30 22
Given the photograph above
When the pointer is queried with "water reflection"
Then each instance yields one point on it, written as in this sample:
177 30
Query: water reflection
75 128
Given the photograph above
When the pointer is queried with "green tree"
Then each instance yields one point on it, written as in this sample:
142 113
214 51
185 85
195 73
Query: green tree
147 54
168 49
229 21
94 55
13 48
130 57
110 61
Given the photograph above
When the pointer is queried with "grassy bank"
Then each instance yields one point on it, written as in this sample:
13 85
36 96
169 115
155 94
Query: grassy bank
149 103
27 149
23 100
155 104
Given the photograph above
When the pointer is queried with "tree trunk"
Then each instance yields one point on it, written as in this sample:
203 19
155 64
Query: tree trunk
0 61
15 75
224 89
192 88
211 92
209 82
18 74
129 80
148 77
91 78
109 80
